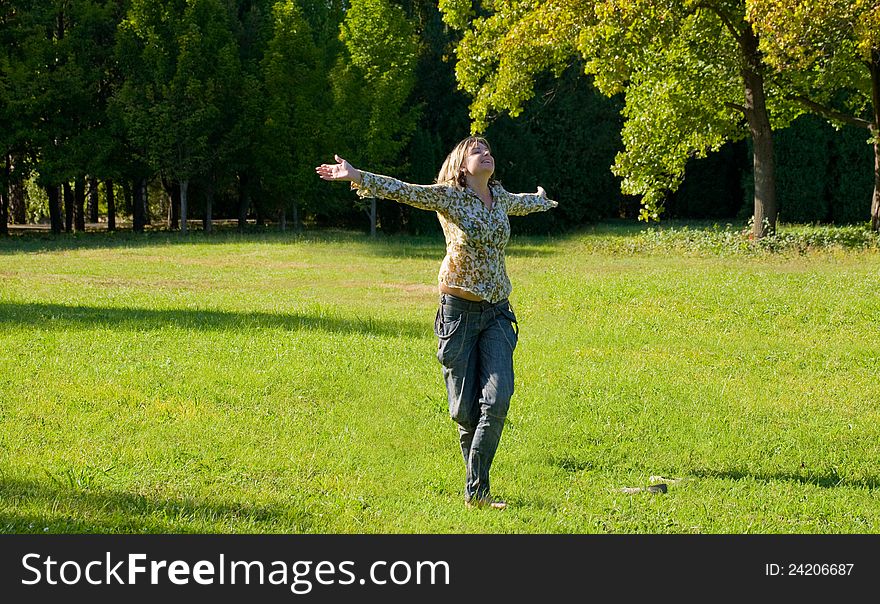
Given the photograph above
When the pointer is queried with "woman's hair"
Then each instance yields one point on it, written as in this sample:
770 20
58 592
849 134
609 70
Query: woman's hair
450 171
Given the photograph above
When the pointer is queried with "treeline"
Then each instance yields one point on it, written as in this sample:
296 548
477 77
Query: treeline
163 111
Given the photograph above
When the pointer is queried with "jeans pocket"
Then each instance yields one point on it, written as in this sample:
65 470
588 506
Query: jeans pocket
445 328
450 334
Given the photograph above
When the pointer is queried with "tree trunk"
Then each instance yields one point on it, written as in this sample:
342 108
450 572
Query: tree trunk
138 206
146 199
207 224
875 131
373 217
282 216
54 193
111 206
93 200
762 138
79 210
4 210
5 195
244 200
875 201
56 214
173 191
295 217
68 208
184 187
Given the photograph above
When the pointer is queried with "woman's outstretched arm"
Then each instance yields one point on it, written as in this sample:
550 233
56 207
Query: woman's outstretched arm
520 204
426 197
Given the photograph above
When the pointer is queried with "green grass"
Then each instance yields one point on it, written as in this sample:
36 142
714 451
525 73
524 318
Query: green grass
278 383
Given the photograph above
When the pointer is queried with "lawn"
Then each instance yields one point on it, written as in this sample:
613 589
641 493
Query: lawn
272 382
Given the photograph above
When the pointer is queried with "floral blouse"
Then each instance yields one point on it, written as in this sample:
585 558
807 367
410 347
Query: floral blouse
475 235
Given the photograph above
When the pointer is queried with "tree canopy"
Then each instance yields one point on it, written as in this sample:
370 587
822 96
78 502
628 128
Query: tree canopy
831 51
203 107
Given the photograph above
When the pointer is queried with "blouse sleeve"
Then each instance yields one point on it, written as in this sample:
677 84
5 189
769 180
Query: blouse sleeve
426 197
520 204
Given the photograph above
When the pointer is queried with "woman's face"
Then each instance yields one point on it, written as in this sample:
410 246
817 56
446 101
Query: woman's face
479 161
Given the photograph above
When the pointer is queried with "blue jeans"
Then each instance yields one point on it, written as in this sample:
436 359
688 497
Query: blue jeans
476 344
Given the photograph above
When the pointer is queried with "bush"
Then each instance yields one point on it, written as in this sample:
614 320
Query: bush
733 240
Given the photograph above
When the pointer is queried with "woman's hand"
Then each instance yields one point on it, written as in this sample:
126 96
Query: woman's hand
541 191
339 171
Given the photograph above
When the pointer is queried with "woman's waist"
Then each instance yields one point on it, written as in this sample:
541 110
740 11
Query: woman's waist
458 292
472 303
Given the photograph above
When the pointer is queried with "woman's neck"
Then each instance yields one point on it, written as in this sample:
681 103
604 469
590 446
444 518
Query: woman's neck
480 184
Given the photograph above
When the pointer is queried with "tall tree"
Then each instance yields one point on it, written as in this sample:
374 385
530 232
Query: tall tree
98 141
253 29
294 82
178 101
44 94
9 137
372 82
691 72
209 66
831 49
73 108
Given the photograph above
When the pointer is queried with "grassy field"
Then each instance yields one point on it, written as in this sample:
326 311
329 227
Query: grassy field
279 383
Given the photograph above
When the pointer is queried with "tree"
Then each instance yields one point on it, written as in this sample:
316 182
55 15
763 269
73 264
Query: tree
73 102
443 118
372 83
42 94
181 66
6 141
690 70
10 134
99 151
295 82
253 30
209 68
832 48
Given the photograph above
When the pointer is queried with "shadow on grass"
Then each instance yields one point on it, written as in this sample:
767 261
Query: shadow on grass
416 246
43 241
826 481
60 509
60 316
395 246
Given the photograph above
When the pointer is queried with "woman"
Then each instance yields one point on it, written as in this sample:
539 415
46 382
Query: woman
475 323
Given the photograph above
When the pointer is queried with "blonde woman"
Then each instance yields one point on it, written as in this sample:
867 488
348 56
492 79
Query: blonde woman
475 325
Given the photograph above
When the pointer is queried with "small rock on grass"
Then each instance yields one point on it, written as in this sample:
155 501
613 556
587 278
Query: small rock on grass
654 488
